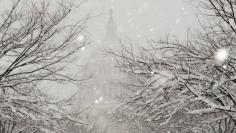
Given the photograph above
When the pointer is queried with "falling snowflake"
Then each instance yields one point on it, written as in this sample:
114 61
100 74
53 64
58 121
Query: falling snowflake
151 29
140 10
146 5
99 41
172 31
120 29
129 14
222 54
80 38
177 20
225 66
83 48
130 21
100 98
131 25
96 101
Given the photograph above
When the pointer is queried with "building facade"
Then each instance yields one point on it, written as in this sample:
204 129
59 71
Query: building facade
104 87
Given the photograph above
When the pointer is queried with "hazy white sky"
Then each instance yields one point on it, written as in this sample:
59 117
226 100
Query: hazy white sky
136 19
142 19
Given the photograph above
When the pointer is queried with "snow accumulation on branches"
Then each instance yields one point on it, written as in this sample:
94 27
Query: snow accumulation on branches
35 45
197 90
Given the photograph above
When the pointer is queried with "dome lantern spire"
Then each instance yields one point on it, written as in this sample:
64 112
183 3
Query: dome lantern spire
111 28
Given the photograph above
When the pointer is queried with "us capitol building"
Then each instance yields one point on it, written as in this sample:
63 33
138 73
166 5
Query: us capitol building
103 91
103 87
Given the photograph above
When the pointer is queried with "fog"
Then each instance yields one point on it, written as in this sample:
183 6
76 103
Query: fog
99 86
